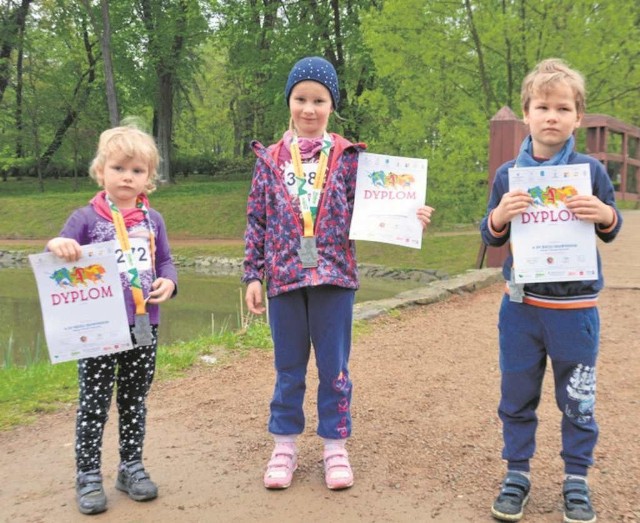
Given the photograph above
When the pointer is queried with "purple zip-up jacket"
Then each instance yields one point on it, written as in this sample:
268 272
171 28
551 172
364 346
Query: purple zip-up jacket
86 226
274 227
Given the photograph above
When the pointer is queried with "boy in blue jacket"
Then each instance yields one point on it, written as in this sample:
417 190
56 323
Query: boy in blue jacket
557 319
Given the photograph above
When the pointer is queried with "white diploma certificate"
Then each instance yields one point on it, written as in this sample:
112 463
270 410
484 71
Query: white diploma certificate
389 191
548 242
82 303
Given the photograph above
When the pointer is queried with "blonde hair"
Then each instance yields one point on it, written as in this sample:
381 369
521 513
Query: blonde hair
546 75
132 142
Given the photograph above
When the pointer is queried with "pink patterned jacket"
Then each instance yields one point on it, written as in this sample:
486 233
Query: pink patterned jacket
274 227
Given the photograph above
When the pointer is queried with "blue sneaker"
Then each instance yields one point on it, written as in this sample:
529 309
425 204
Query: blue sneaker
90 496
577 501
135 481
514 494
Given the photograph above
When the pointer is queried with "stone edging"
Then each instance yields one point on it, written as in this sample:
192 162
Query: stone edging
436 291
223 266
13 259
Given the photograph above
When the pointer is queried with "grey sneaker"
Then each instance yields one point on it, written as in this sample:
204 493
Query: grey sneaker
134 480
90 495
577 502
514 494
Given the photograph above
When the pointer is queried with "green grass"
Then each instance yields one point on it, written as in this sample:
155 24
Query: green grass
196 207
27 391
193 208
452 254
628 205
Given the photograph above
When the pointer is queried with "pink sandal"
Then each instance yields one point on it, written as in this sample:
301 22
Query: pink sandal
337 470
281 466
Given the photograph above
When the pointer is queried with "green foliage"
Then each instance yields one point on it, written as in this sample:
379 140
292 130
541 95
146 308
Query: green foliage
444 70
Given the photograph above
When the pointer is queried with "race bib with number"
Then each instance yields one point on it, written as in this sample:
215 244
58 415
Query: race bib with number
141 255
293 183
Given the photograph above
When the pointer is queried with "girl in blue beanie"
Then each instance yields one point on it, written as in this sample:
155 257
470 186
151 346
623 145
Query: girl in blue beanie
297 241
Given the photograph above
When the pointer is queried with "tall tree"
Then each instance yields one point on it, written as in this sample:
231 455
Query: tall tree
13 16
173 29
81 94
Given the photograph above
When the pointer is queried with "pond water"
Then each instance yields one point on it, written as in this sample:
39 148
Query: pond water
204 304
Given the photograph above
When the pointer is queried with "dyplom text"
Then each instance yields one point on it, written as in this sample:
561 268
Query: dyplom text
548 216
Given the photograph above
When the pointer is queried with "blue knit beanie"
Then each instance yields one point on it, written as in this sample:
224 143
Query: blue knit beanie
316 69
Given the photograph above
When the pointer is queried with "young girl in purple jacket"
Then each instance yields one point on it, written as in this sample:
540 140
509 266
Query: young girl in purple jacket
125 167
297 241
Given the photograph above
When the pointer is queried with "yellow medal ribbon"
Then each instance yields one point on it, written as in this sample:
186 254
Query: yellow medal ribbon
123 240
309 202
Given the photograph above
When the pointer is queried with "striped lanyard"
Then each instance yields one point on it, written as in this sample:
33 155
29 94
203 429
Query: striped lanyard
309 199
127 251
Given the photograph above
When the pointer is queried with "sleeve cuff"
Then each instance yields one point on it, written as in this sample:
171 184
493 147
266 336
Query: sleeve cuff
613 225
493 231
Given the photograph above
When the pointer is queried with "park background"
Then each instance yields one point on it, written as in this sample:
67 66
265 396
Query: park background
418 78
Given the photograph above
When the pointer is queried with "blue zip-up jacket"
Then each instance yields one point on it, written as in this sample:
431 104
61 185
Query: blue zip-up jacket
274 227
571 294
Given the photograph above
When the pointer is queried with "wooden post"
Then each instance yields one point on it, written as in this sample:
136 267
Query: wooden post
506 132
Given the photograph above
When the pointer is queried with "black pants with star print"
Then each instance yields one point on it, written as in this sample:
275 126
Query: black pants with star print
133 372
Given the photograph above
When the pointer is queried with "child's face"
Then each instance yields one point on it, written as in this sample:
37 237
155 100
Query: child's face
123 178
310 105
552 118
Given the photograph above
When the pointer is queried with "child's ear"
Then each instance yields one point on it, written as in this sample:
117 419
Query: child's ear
100 176
579 120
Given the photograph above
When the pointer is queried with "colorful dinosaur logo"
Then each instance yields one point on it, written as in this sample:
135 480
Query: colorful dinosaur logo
392 180
551 196
77 276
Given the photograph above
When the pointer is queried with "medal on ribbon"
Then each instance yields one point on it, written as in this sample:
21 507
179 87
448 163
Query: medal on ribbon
309 199
142 330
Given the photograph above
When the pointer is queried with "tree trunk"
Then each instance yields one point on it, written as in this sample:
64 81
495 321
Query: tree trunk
165 125
19 86
489 98
110 84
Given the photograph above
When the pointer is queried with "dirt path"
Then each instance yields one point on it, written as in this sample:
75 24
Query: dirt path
426 441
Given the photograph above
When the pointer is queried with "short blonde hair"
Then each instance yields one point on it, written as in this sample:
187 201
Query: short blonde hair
132 142
546 75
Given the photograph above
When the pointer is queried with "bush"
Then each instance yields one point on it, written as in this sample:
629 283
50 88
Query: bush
28 167
219 168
